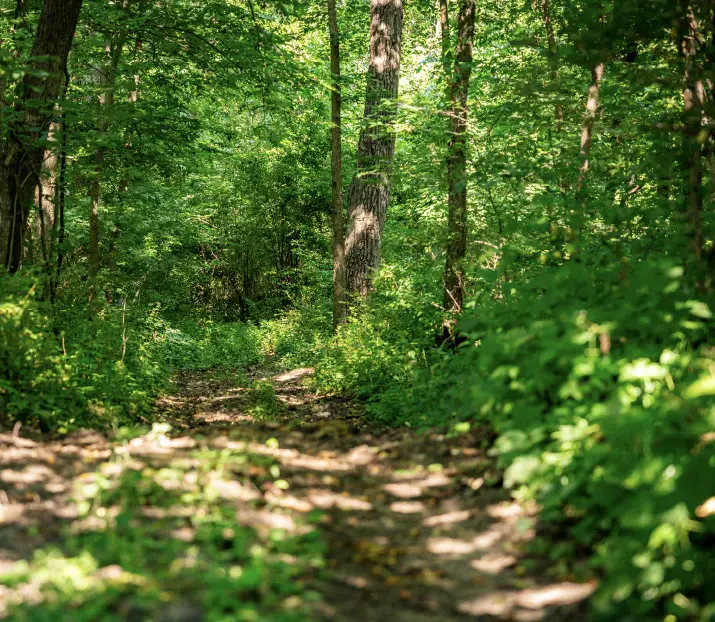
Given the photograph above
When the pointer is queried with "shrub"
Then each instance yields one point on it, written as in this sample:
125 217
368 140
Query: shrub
599 385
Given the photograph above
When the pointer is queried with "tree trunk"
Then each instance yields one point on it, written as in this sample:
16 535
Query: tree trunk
370 188
60 193
34 112
338 220
113 47
586 140
457 157
43 218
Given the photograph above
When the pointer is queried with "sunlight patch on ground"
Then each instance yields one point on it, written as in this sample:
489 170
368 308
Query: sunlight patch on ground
326 499
383 511
506 605
493 563
294 375
408 507
447 519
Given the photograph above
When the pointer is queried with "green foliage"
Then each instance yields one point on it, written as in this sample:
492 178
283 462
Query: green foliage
584 346
141 555
600 386
98 371
382 344
211 345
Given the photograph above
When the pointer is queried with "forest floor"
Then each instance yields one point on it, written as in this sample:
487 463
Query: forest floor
257 500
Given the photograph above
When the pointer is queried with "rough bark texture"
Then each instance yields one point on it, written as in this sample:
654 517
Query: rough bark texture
113 47
42 220
338 220
370 188
457 157
24 150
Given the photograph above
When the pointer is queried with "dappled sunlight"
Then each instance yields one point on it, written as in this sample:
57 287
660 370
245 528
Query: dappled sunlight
447 519
528 604
231 489
394 516
408 507
296 460
266 522
294 375
327 499
493 563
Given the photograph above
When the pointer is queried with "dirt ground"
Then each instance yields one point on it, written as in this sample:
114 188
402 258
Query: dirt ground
415 527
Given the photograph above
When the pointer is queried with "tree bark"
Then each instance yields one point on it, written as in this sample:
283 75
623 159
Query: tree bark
43 218
457 156
113 47
34 112
369 193
589 120
338 220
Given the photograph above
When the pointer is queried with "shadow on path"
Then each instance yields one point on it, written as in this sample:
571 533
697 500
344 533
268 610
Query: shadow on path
260 501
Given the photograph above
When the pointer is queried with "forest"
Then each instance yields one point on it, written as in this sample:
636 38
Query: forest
383 310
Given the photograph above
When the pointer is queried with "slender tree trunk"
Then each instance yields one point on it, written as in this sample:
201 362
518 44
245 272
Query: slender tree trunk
60 192
113 47
132 98
457 157
694 138
369 193
339 284
589 120
551 42
34 112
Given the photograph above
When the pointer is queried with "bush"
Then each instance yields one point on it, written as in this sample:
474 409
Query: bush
600 387
377 351
60 368
208 345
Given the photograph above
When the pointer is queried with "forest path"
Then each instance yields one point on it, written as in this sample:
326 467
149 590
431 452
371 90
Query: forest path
262 501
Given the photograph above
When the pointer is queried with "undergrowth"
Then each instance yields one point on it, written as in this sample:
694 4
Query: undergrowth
99 365
599 383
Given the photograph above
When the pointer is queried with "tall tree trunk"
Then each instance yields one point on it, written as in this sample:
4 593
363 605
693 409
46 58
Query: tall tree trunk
42 220
551 42
34 112
336 162
589 120
694 137
457 156
369 193
113 47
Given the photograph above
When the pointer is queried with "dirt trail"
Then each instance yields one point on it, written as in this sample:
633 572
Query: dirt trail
413 527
